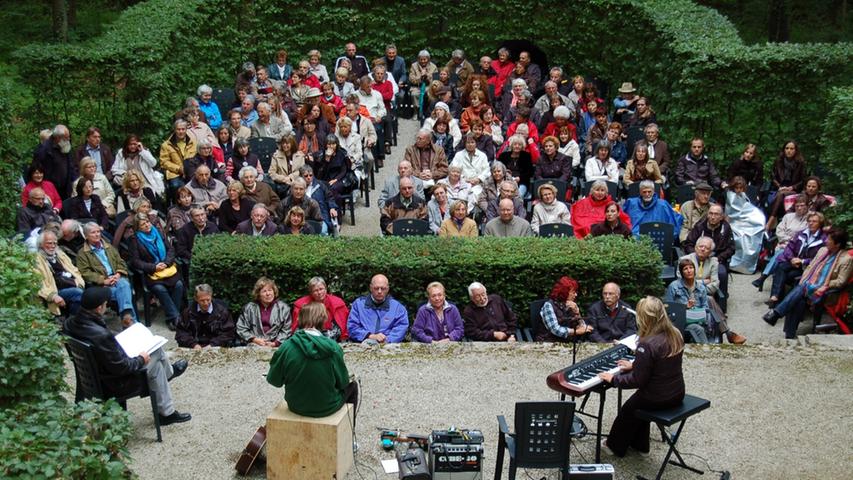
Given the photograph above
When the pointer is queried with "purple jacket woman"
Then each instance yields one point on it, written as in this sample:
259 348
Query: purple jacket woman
428 328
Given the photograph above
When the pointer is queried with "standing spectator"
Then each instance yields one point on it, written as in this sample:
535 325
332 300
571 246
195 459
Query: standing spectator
97 151
358 63
54 154
378 318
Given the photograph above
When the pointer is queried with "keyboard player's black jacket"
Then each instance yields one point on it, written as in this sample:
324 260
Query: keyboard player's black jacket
657 377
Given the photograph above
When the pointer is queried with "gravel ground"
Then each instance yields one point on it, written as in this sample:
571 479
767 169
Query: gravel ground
775 403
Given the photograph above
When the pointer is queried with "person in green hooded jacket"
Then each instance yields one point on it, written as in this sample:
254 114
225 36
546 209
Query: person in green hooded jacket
311 368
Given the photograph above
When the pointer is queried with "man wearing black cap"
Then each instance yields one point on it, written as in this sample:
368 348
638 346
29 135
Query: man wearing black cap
88 325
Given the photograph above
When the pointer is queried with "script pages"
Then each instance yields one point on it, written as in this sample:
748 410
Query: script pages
137 339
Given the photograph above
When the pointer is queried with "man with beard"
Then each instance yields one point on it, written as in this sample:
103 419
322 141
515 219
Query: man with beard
55 155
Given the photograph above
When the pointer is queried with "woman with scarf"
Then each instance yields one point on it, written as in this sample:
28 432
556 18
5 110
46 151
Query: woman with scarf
549 209
134 156
61 282
561 317
828 273
308 139
152 253
458 224
125 229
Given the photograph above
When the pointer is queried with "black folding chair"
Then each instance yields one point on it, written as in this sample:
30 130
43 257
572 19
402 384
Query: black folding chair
316 225
663 237
224 99
634 190
684 193
666 418
263 147
90 382
556 230
612 189
410 227
541 438
534 320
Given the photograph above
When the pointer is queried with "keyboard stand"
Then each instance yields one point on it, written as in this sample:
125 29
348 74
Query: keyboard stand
601 390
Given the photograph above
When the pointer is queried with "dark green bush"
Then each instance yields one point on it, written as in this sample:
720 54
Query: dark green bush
19 282
55 439
520 269
31 357
838 156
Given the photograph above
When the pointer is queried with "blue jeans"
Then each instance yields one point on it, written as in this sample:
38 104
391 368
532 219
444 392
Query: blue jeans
793 307
171 301
72 297
783 274
123 296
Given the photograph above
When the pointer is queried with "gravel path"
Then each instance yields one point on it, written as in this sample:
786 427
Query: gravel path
774 403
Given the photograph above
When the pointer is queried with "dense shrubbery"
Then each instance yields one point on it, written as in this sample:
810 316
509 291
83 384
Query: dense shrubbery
838 155
42 435
520 269
12 159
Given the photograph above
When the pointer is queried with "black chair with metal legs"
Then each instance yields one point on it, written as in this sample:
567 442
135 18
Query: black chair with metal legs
666 418
541 438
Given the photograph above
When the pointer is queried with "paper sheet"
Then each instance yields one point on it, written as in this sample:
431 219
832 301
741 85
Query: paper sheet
631 341
390 466
137 338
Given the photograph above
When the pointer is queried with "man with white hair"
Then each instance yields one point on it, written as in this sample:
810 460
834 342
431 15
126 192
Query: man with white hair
403 205
420 75
100 264
55 156
543 104
36 213
268 126
207 106
488 318
392 184
460 67
259 223
428 160
611 319
185 238
260 192
648 208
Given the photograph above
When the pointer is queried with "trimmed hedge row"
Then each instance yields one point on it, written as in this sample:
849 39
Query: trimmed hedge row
520 269
837 141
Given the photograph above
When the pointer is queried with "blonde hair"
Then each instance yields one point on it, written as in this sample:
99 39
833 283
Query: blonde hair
262 283
652 320
313 315
125 183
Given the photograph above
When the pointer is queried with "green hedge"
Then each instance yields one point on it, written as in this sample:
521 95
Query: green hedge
837 141
520 269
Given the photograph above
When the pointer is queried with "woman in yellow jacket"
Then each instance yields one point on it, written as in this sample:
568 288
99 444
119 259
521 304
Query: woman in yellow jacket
458 225
177 148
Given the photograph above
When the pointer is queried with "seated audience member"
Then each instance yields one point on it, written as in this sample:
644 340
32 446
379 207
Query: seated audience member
280 70
457 187
488 318
36 213
311 368
787 178
747 221
562 120
101 185
791 225
270 126
152 254
693 295
656 373
715 226
549 209
85 205
236 128
798 254
492 187
648 208
336 324
100 264
392 184
265 321
377 318
98 151
89 326
284 167
618 150
199 131
134 156
259 223
210 109
235 209
458 224
126 228
748 166
543 103
420 74
248 114
61 282
817 201
205 157
438 208
257 191
474 165
298 198
134 188
206 322
640 167
330 98
658 149
626 102
185 238
707 268
601 166
241 158
612 223
320 192
507 189
553 164
507 224
179 146
611 319
403 205
485 143
561 317
428 160
694 211
823 279
519 163
294 223
477 101
696 167
351 142
35 179
207 191
332 165
596 133
437 321
71 238
590 210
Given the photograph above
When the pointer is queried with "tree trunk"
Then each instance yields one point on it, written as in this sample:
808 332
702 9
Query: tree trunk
72 14
778 25
60 20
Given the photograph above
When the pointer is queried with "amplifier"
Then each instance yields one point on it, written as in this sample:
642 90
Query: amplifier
591 471
455 461
456 436
413 465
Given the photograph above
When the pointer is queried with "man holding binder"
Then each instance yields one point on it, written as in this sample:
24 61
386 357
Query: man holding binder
113 361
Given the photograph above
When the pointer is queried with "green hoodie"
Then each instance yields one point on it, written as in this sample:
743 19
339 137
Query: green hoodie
312 370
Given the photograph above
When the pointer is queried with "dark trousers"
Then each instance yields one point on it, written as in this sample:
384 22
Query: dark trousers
628 430
350 394
793 308
783 274
723 275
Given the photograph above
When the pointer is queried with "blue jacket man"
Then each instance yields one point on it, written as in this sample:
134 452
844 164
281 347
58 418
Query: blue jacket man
377 318
648 208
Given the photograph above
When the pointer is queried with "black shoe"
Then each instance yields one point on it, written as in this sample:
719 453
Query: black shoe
387 148
171 325
771 317
380 162
178 369
759 283
175 417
